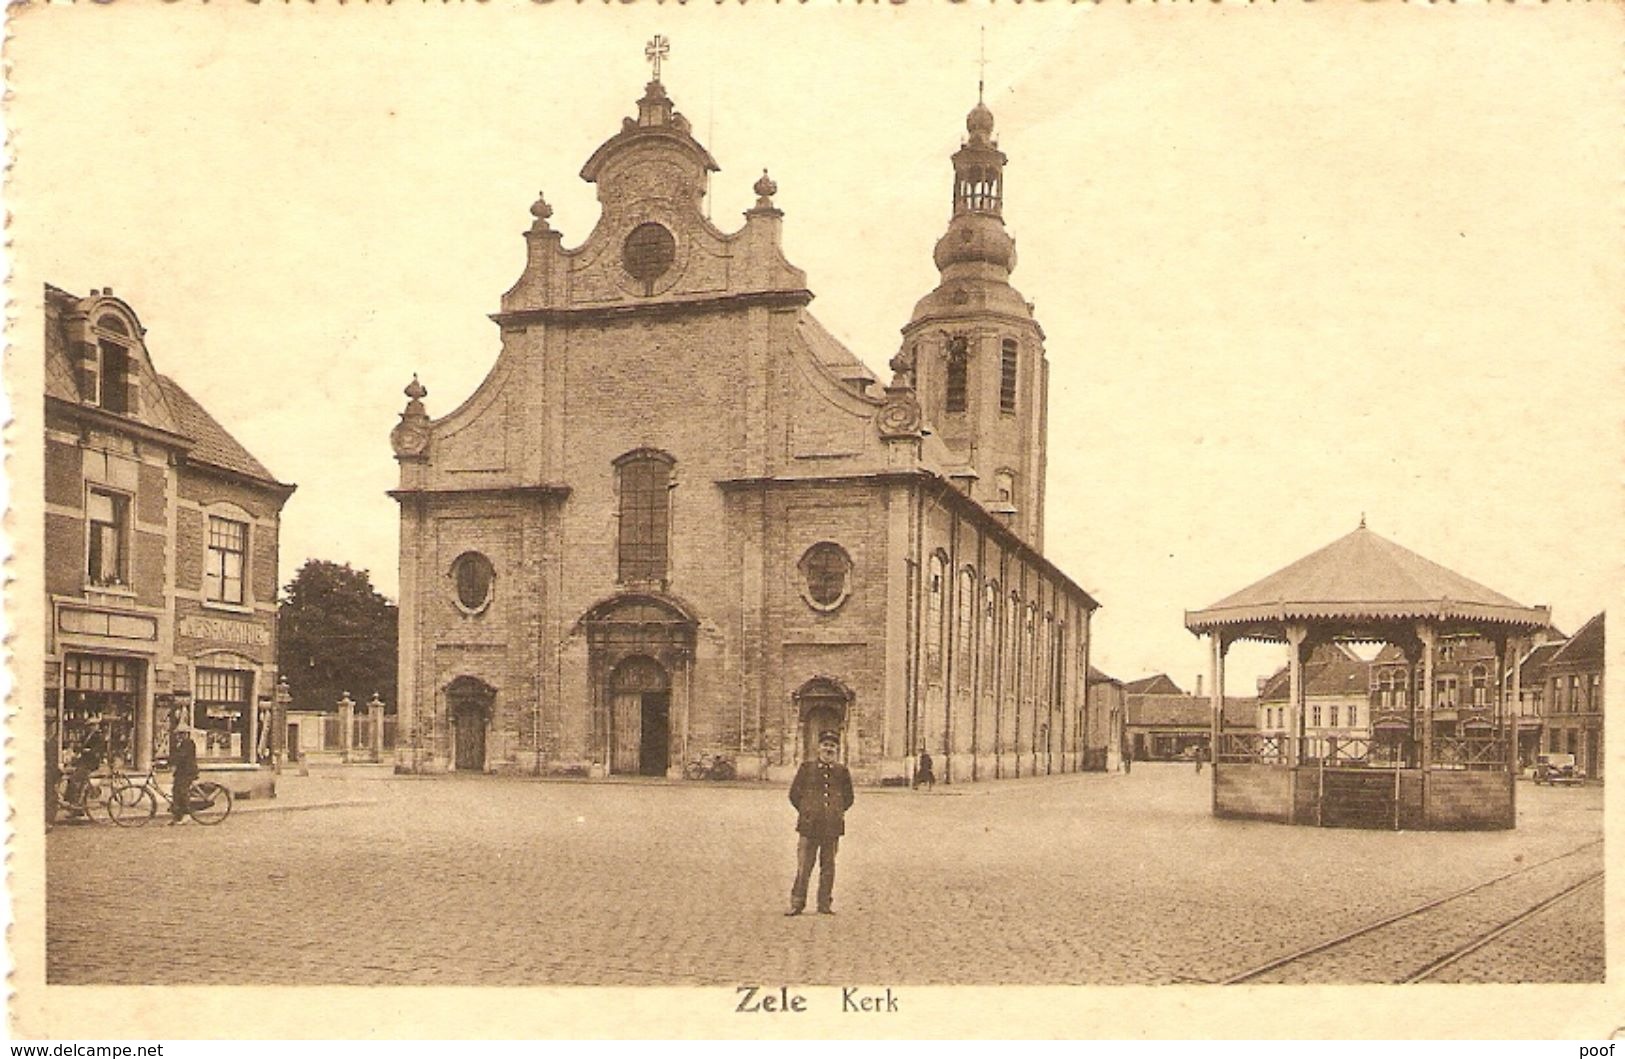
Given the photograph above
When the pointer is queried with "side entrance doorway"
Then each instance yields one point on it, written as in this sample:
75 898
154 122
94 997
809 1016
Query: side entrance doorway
821 705
640 718
468 702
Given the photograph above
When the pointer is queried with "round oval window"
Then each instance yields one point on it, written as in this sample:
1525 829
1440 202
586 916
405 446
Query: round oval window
648 252
473 575
826 570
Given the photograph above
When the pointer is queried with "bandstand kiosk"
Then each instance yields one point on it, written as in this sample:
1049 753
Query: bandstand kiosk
1420 767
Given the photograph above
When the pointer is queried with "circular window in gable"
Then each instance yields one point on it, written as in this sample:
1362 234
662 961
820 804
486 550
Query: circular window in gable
826 576
474 577
648 252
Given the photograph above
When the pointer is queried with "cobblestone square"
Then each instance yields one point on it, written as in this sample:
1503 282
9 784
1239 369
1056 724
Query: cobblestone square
1096 879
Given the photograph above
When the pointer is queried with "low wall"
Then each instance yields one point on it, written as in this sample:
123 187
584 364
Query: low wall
1253 792
1439 800
1467 801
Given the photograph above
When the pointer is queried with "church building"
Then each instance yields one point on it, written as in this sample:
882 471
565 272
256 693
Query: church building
679 523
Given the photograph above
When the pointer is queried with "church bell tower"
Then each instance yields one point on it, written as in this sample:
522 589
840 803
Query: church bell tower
977 352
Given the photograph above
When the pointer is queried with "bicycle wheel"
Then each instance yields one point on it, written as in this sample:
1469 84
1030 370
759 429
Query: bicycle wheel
210 803
131 806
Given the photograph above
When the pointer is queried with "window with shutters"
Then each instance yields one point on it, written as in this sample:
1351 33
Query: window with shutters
645 516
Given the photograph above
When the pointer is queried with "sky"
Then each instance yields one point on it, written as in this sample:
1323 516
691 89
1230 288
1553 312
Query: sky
1296 264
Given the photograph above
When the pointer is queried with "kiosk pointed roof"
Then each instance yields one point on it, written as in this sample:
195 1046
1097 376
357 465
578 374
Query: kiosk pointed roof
1363 577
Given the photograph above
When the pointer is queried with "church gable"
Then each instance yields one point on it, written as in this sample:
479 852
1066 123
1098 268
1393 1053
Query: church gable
652 241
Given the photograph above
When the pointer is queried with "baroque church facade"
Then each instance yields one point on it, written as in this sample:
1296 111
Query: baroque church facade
680 522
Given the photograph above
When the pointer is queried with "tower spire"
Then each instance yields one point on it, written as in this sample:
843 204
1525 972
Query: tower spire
981 66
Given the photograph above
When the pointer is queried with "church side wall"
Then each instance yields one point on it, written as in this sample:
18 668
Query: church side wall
1002 689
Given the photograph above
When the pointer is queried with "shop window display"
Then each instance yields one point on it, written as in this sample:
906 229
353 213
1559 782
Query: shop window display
101 692
222 699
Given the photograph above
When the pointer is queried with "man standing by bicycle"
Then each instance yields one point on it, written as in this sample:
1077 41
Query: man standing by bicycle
183 759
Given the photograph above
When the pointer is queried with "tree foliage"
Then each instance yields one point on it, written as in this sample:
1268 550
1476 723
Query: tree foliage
336 635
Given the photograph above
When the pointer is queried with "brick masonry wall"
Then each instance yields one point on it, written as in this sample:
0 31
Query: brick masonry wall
64 474
1468 800
1260 792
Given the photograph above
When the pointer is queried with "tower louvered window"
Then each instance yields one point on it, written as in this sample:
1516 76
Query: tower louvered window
1007 376
954 390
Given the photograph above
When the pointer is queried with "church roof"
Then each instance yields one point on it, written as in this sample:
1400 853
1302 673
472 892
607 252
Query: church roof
829 351
1363 577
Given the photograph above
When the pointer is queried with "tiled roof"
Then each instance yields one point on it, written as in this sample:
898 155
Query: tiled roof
1097 677
1331 670
1363 576
1585 648
1157 684
1533 670
1188 711
210 442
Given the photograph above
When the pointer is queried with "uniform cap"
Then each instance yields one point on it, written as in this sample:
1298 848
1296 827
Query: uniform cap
828 737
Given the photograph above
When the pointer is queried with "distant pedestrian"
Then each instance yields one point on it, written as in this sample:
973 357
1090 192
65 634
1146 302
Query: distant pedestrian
923 773
821 793
183 759
1198 755
1128 761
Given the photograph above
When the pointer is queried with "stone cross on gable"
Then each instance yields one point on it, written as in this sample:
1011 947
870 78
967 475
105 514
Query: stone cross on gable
656 50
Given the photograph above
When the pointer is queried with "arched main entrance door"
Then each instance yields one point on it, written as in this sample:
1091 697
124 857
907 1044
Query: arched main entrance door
821 706
640 718
468 708
640 650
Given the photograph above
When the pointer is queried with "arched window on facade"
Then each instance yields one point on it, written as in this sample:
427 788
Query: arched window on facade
990 635
1481 685
936 575
964 647
645 516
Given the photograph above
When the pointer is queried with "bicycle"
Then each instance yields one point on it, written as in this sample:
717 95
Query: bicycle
134 804
96 793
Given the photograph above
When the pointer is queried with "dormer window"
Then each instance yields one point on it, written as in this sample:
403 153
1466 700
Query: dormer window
107 368
115 377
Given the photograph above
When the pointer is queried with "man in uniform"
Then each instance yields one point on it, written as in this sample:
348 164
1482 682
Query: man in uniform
821 793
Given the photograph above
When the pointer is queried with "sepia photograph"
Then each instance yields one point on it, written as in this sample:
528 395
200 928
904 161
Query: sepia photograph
572 520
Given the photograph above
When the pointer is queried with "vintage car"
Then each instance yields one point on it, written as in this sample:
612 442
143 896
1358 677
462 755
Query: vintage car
1557 769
